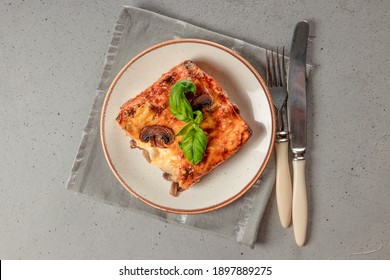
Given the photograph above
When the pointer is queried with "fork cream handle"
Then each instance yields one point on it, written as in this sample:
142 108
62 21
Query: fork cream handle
299 204
283 183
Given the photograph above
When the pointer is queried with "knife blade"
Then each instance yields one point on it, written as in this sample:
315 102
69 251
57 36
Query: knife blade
296 113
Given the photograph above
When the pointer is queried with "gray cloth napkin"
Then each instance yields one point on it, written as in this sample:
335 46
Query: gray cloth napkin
136 30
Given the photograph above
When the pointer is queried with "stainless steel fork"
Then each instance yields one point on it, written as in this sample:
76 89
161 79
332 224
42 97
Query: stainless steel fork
276 82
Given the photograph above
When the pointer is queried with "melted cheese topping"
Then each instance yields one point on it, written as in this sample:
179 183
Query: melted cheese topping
162 158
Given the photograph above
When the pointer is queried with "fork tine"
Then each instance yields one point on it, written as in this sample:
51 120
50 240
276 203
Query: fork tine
279 74
275 69
274 81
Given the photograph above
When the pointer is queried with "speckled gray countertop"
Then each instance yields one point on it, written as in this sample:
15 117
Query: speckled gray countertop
52 53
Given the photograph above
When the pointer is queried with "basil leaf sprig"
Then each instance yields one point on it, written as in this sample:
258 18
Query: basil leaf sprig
194 139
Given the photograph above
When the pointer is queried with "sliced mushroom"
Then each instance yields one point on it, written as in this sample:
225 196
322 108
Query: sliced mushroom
133 144
167 176
190 96
201 101
174 189
145 153
158 135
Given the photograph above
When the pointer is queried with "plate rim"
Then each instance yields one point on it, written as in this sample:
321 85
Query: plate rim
198 210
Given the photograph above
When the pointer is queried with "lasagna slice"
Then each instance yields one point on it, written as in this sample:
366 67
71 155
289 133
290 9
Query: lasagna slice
147 119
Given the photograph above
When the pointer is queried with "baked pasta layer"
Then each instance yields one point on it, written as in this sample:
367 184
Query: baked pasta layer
149 122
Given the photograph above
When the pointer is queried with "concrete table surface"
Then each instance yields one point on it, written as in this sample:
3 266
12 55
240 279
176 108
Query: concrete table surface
52 53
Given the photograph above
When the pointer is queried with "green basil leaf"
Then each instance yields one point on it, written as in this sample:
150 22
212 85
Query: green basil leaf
185 128
194 139
187 86
199 117
194 145
178 103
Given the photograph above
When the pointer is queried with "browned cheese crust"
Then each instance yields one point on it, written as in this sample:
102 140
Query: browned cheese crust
226 131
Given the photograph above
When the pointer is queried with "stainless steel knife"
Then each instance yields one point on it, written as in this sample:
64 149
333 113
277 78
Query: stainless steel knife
296 113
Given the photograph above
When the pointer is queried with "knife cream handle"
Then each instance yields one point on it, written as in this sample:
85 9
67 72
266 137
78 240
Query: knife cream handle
283 183
299 206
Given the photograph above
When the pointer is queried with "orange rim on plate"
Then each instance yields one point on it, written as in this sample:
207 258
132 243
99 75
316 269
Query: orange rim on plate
213 207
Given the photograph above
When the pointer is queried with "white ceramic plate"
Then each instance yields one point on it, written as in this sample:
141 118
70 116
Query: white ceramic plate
228 181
